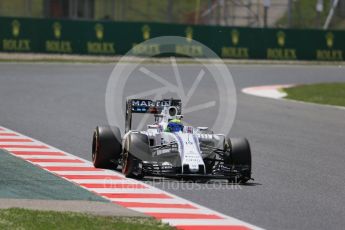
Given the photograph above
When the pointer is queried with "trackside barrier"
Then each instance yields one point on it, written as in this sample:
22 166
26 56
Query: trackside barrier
117 38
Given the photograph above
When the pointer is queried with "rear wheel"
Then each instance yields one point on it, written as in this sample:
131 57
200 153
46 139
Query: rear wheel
240 159
106 147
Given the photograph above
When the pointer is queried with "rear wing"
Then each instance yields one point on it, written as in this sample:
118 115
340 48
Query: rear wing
148 106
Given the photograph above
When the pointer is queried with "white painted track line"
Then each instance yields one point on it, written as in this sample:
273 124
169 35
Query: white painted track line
45 157
83 173
124 190
12 137
173 210
19 143
48 164
29 149
208 222
104 181
150 200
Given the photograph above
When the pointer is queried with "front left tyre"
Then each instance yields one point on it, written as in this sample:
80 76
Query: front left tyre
239 159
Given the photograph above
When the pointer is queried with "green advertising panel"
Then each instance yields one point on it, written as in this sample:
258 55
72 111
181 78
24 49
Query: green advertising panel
117 38
17 35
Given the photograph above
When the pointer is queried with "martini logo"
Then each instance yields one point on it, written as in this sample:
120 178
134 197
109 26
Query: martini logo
146 32
235 37
99 29
281 38
142 103
189 34
329 39
149 103
15 28
57 30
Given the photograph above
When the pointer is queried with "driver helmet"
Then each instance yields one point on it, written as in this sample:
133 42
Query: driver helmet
175 125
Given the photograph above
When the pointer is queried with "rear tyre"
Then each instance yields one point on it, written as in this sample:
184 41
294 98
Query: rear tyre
240 159
106 147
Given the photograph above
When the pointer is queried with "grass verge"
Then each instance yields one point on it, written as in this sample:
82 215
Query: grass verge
324 93
16 218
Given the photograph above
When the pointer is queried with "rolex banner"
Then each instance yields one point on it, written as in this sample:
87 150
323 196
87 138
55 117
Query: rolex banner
117 38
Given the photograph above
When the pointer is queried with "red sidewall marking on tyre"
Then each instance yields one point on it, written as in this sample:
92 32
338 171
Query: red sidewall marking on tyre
114 186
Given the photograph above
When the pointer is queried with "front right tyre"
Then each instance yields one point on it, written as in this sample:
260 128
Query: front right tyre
136 150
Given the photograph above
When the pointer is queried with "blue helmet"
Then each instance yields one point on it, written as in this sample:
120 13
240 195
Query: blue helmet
175 125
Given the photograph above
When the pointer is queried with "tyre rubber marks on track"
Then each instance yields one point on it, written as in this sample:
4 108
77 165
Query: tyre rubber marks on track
113 186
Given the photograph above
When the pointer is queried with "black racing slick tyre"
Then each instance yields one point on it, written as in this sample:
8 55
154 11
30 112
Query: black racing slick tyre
106 147
136 144
240 159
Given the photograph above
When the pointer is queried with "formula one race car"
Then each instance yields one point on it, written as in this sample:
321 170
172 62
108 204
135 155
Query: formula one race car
170 149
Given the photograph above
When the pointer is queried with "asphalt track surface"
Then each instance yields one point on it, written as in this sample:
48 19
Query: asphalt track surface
298 149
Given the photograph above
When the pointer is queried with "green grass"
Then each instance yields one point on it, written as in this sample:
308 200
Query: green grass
325 93
23 219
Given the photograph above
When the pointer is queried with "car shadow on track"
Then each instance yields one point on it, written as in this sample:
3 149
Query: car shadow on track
155 180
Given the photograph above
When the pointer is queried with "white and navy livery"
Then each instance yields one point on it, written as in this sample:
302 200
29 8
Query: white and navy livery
189 153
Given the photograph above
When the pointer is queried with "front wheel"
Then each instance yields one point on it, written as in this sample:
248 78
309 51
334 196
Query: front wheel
136 150
240 159
131 166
